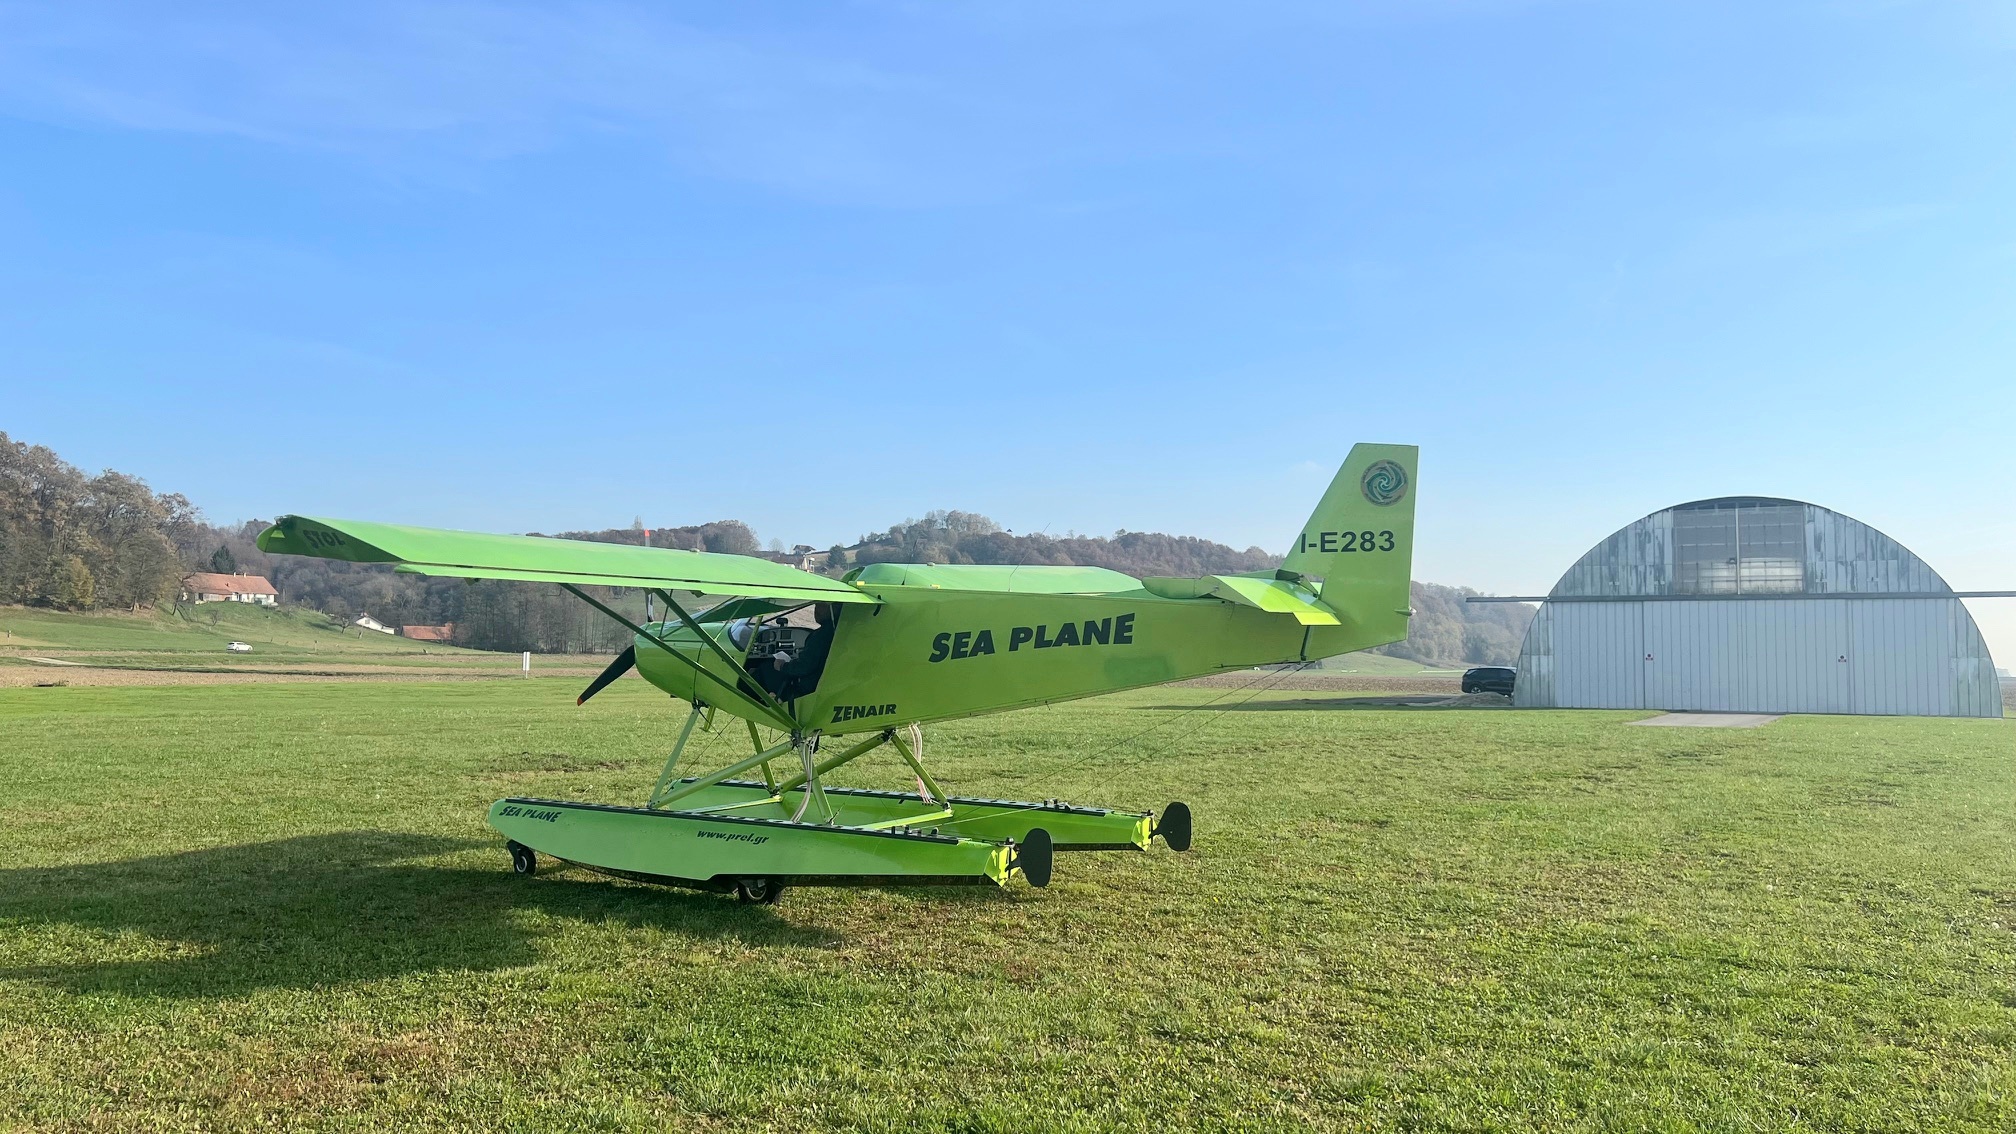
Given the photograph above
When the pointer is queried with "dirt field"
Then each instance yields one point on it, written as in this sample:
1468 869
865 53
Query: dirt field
18 676
21 669
17 671
1317 682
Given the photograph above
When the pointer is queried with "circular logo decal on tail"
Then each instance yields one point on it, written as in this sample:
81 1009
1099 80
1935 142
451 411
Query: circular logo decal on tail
1384 483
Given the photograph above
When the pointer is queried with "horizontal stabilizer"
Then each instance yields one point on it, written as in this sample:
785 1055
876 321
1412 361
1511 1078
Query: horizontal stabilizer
473 555
1275 596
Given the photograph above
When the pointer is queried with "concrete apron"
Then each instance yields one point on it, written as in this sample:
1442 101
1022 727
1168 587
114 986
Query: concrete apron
1711 720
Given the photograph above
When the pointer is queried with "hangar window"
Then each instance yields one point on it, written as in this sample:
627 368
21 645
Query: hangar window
1771 542
1729 547
1704 550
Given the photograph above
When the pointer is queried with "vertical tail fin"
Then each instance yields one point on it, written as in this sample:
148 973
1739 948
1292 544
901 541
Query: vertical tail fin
1360 543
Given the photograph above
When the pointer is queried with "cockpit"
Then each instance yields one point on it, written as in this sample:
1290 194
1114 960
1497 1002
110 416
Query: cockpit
787 651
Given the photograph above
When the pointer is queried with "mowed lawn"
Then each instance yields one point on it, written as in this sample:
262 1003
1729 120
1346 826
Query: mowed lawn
202 631
278 906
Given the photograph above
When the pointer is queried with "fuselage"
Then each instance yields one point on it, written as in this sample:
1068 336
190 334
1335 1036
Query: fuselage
931 650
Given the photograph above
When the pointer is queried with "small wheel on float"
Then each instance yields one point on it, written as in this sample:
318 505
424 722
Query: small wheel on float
759 891
523 859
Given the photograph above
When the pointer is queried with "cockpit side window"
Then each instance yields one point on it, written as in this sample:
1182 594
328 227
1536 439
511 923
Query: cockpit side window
740 631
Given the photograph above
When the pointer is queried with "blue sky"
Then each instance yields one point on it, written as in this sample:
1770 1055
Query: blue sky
1076 266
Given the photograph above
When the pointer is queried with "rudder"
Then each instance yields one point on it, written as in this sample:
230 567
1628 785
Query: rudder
1360 543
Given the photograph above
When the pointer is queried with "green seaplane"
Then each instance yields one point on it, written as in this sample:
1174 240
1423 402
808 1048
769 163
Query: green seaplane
843 667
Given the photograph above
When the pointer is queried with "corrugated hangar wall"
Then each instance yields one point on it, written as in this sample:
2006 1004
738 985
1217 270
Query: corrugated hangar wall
1755 604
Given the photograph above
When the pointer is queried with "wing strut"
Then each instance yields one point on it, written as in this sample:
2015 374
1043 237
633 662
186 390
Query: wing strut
764 699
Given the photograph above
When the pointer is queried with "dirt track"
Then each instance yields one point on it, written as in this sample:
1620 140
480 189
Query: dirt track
60 671
1321 683
17 676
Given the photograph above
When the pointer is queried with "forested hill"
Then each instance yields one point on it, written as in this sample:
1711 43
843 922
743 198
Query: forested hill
78 542
83 542
1445 630
967 537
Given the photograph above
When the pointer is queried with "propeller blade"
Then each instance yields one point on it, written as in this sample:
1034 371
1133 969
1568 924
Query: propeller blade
622 665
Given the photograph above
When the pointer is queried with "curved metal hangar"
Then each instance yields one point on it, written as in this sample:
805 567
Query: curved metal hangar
1758 605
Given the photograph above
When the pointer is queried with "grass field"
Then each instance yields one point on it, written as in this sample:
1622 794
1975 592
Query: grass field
38 646
277 906
200 629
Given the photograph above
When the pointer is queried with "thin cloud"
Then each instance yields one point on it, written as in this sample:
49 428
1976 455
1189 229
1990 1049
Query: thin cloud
479 80
877 104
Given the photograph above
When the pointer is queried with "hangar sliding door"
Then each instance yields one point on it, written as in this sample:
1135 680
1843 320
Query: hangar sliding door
1795 657
1691 655
1903 657
1748 656
1596 654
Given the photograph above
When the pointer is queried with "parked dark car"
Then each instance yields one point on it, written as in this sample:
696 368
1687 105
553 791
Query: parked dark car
1490 679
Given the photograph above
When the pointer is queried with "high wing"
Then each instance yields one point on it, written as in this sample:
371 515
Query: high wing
474 555
1275 592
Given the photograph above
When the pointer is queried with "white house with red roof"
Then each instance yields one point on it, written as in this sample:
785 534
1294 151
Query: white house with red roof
209 586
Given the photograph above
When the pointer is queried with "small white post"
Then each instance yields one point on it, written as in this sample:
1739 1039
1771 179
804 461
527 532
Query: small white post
528 663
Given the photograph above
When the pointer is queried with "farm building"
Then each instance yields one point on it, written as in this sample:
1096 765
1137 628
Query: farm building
1756 604
366 622
206 586
442 633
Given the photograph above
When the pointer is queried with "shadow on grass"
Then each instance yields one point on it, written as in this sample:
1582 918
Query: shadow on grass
320 910
1424 701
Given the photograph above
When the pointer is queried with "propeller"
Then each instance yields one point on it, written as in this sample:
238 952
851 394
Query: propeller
624 662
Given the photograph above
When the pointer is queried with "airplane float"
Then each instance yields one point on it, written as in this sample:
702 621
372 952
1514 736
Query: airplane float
894 647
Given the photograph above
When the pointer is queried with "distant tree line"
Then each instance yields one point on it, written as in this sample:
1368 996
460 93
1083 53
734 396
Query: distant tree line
967 537
78 542
1445 630
728 537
